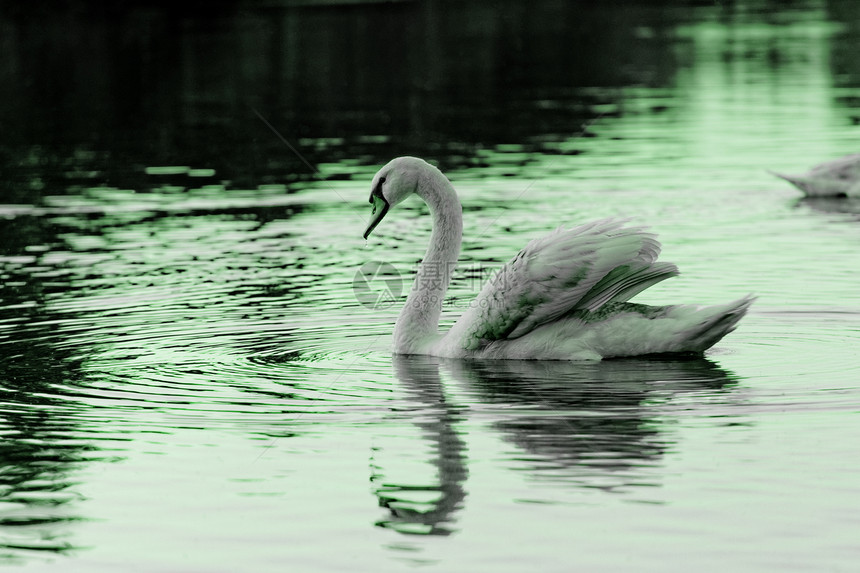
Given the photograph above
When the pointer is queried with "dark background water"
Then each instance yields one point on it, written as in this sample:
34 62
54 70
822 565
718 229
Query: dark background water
92 92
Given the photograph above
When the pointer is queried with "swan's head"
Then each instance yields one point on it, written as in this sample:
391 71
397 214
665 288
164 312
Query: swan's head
392 184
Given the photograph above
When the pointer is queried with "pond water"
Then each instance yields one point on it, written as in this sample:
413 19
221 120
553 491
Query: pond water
189 379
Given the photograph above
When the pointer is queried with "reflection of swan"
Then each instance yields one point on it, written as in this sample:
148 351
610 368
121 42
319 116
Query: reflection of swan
562 297
849 206
420 377
837 178
597 424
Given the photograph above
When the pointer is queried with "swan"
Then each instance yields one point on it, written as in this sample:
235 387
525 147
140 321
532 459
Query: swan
836 178
563 297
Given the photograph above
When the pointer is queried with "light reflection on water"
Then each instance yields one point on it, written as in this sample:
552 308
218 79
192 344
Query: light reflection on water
185 358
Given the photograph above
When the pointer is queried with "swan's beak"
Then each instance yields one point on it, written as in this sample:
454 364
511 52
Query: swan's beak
380 208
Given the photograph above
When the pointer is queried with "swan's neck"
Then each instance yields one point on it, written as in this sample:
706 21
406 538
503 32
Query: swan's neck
417 327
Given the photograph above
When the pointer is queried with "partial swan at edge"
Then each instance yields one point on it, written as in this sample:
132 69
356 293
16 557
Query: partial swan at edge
563 297
836 178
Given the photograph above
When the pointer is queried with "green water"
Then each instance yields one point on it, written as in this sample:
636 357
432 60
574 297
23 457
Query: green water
189 381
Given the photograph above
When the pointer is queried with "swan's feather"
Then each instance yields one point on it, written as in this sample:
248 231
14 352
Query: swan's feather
568 270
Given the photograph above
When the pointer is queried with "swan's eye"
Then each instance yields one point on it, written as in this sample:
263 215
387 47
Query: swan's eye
377 189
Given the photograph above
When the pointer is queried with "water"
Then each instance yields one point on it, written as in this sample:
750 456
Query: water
190 383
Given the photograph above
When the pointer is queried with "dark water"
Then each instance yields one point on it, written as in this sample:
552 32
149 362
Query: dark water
189 380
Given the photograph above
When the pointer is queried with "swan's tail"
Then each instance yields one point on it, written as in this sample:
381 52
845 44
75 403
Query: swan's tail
706 326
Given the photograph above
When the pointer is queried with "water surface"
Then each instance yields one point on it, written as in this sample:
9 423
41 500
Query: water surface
191 382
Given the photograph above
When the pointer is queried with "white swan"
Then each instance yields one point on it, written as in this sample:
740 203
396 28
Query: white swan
563 297
837 178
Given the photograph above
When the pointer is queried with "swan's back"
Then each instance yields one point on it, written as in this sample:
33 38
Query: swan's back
569 270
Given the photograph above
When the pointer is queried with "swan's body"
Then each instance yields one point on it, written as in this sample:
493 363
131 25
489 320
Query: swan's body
837 178
563 297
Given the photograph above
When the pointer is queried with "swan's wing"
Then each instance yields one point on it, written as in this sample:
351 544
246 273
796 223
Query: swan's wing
570 269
